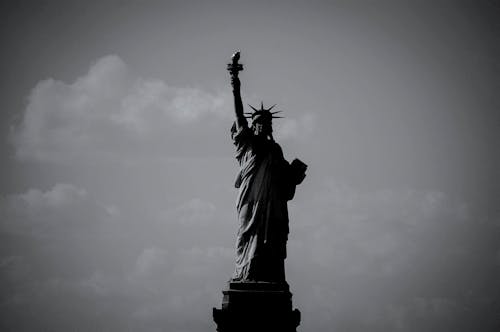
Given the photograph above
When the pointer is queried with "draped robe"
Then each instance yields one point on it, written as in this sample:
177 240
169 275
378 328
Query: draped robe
264 189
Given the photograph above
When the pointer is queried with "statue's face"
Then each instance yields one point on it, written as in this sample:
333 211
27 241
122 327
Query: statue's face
262 129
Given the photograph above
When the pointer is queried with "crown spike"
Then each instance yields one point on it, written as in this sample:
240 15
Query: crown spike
253 108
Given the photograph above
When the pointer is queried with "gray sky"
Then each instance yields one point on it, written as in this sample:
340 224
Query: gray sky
117 207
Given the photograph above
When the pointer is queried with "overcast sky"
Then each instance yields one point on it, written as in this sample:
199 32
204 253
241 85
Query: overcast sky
117 206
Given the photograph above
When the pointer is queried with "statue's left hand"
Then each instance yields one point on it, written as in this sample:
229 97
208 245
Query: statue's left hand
298 170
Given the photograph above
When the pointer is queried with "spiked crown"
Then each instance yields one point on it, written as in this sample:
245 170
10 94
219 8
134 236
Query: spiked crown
262 114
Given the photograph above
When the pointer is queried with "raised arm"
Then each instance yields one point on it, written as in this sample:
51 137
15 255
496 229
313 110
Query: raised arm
234 69
241 121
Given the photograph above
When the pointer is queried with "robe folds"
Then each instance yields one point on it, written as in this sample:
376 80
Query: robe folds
264 189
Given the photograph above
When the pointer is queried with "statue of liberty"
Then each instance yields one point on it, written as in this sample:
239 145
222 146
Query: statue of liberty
266 182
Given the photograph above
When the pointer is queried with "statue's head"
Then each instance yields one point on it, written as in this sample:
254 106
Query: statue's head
262 126
262 120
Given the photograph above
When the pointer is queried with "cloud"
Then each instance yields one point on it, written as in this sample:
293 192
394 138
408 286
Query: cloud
47 213
404 260
150 259
53 240
295 128
60 245
110 110
194 212
60 195
383 259
177 285
155 263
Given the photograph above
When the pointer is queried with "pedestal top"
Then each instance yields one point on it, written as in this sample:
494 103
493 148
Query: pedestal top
258 286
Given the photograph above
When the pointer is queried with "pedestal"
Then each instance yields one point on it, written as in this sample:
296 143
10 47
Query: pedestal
256 307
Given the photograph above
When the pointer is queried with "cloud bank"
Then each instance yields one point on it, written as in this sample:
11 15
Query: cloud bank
382 260
107 110
393 260
69 261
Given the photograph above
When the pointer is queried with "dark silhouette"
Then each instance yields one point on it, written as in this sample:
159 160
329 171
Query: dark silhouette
266 182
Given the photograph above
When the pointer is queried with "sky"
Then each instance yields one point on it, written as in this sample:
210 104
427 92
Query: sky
117 198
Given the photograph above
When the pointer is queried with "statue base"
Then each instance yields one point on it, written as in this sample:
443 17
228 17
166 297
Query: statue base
256 306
